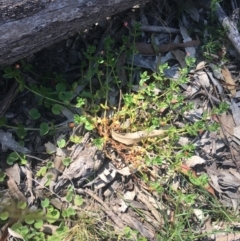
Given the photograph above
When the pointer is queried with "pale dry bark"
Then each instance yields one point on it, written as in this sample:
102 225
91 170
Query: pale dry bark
31 25
230 26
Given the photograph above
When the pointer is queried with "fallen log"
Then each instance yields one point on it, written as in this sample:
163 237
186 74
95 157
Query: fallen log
31 25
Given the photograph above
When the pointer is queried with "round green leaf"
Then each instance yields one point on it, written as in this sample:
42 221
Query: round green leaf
29 219
44 129
4 215
53 216
69 196
2 176
23 161
16 226
64 213
74 85
61 143
38 224
62 228
49 176
24 230
56 109
49 165
78 200
42 171
3 121
71 211
60 87
50 208
45 203
34 113
65 95
12 158
21 205
21 132
89 126
67 161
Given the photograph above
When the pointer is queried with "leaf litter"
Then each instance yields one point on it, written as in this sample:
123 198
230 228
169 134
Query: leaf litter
107 178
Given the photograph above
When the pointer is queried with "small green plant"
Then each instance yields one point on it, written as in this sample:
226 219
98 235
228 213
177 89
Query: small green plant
66 161
34 113
61 143
2 176
155 104
14 156
43 170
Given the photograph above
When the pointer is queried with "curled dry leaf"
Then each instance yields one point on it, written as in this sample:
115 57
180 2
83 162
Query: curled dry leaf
194 160
15 234
201 65
180 57
229 81
135 137
203 79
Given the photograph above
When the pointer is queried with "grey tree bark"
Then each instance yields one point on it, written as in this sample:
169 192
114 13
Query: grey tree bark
27 26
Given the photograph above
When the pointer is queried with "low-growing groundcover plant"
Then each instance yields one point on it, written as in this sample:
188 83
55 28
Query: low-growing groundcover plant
155 104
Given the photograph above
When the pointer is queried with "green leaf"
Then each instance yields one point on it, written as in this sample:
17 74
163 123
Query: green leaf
62 228
61 87
67 161
71 211
4 215
68 212
64 213
74 85
44 129
75 139
50 176
69 196
38 224
16 226
61 143
3 121
23 161
80 102
53 216
12 158
89 126
56 109
45 203
29 218
34 113
42 171
86 94
21 132
2 176
47 183
21 205
49 165
65 95
78 200
24 230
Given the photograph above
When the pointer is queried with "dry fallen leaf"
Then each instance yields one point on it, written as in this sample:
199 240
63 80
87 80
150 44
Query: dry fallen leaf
227 237
201 65
203 79
14 191
14 234
135 137
229 81
180 57
194 160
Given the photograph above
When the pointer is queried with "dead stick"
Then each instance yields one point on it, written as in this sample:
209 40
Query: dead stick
148 48
107 210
